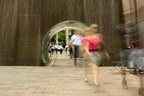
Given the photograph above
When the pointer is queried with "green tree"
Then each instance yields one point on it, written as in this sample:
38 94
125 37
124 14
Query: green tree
61 38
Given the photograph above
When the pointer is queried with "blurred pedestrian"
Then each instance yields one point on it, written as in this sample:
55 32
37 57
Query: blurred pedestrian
50 50
60 48
75 41
52 47
92 45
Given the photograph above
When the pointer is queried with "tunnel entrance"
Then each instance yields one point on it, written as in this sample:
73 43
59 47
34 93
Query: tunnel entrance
65 25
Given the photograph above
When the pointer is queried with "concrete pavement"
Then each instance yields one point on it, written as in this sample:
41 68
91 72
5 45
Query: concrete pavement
63 79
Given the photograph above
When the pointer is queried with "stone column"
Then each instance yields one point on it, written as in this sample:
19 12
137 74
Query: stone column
67 36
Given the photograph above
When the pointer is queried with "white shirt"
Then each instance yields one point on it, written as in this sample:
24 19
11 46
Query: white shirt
60 47
53 47
76 39
56 46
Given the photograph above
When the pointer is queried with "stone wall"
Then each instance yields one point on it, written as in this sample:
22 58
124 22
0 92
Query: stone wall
25 22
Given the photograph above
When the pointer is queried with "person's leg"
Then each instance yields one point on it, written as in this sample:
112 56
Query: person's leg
70 53
52 50
76 51
141 89
66 50
85 72
49 54
85 66
95 69
124 82
56 50
60 51
95 59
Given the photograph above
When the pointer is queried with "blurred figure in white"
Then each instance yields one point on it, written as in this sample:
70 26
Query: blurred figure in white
75 41
60 48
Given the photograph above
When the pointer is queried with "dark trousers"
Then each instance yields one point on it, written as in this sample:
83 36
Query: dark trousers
71 53
61 50
76 51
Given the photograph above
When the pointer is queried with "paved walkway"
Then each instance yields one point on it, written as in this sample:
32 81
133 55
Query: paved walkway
63 79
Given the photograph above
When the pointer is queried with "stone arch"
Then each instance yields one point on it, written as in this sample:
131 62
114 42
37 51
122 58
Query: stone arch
71 24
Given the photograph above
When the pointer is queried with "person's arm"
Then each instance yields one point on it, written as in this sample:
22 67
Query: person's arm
103 46
104 50
86 48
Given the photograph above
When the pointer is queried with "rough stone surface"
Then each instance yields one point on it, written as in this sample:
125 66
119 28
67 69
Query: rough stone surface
64 79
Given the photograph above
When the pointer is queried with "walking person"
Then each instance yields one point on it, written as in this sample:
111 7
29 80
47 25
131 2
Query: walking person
60 48
75 41
92 47
52 48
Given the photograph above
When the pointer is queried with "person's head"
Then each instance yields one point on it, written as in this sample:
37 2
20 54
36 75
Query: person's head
88 29
94 28
52 43
76 32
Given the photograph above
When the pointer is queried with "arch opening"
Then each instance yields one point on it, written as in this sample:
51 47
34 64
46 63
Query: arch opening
70 25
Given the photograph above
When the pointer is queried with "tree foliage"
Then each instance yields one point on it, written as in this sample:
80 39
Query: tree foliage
61 38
